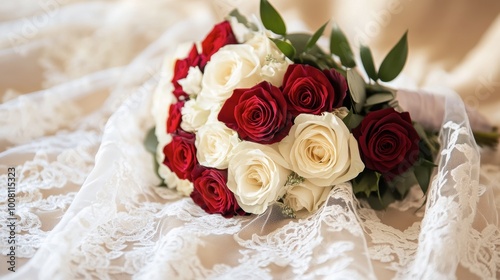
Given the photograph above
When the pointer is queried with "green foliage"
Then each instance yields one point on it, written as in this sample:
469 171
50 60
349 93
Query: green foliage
394 61
271 18
150 144
367 59
367 182
340 47
352 120
294 179
286 48
379 98
357 87
315 37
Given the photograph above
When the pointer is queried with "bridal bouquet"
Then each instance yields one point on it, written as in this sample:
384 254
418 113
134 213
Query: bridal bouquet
253 116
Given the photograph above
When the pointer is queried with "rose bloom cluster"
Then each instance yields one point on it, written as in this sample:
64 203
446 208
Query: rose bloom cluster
235 119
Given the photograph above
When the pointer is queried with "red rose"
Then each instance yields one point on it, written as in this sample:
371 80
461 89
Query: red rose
388 142
221 35
258 114
180 154
307 90
339 84
210 192
174 116
181 70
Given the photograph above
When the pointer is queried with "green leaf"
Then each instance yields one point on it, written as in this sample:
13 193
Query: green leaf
271 18
366 182
427 163
379 98
381 202
394 61
352 120
151 142
341 48
315 55
315 37
299 42
403 182
424 137
367 59
285 47
357 88
423 174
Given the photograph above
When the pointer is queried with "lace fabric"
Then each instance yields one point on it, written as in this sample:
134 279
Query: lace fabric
88 205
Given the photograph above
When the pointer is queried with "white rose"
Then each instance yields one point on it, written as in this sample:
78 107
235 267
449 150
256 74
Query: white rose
256 175
162 99
306 196
184 187
322 150
193 116
240 31
214 143
163 95
274 62
192 83
233 66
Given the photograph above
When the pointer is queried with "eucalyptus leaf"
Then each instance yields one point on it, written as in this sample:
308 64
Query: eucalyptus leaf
285 47
315 37
367 59
271 18
340 47
394 61
379 98
352 120
357 88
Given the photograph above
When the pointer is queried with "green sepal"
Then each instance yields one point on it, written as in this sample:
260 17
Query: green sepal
271 18
395 60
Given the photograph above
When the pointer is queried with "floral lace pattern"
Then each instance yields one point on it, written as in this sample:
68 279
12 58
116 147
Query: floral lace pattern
88 205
